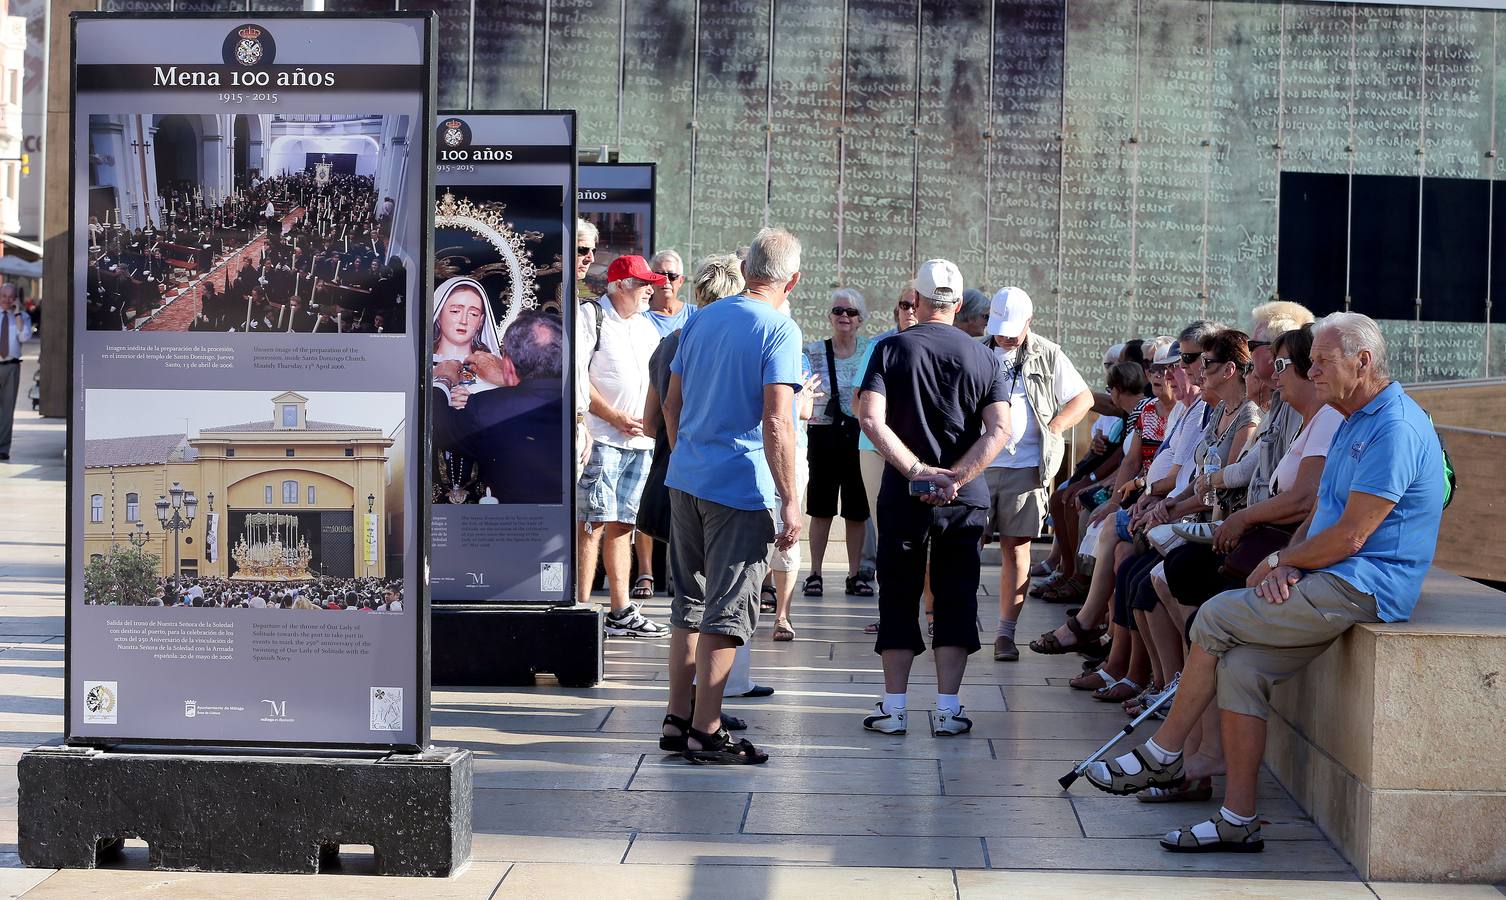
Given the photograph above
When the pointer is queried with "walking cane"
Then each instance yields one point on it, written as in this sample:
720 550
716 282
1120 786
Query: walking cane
1066 780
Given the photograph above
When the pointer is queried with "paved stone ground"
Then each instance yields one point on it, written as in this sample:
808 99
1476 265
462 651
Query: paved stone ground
574 800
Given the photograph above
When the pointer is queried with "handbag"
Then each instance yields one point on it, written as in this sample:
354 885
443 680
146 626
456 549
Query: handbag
848 424
1252 549
1163 539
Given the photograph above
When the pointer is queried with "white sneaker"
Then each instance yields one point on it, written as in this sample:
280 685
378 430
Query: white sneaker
886 722
632 623
1196 532
944 724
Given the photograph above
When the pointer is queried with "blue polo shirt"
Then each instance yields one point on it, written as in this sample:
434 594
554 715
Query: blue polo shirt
1387 449
728 352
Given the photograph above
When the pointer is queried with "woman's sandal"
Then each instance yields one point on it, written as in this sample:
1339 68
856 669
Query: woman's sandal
639 591
768 599
1049 644
783 631
871 628
858 586
1187 792
812 586
1118 692
1068 590
1092 680
719 750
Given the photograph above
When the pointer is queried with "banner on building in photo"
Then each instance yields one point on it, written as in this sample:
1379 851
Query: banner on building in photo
618 198
503 317
251 221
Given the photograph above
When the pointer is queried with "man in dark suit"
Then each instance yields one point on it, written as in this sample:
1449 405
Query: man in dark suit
514 434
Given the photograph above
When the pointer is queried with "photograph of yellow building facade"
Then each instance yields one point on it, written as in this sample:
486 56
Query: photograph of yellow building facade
331 479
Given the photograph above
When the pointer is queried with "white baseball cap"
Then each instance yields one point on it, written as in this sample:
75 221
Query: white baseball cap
1010 312
939 280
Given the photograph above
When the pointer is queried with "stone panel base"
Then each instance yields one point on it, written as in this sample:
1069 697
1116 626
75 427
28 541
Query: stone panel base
246 813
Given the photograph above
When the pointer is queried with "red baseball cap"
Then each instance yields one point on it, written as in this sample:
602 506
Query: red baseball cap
633 267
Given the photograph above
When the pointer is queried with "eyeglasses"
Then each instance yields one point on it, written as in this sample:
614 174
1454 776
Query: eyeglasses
1189 358
846 311
582 251
1281 364
1159 370
906 305
1210 361
671 276
1256 345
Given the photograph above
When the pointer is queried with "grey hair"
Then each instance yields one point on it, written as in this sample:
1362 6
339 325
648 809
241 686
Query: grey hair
663 255
975 305
625 284
1356 332
1201 330
773 257
719 276
1269 321
850 297
584 230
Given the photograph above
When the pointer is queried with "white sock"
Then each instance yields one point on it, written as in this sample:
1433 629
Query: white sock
948 703
1161 756
1006 629
894 703
1234 818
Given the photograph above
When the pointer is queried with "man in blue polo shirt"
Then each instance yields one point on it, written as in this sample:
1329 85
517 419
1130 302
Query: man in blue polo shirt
729 416
1382 491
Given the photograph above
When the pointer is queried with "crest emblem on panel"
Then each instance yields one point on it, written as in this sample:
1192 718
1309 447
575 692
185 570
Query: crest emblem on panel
249 45
454 133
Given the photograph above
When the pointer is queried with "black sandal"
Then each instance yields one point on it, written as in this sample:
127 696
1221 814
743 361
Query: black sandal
719 750
857 586
675 744
813 586
768 600
639 592
1049 644
729 721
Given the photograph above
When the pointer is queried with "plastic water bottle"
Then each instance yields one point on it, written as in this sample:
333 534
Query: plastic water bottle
1211 465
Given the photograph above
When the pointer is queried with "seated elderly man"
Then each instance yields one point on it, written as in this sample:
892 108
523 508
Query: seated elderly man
1360 557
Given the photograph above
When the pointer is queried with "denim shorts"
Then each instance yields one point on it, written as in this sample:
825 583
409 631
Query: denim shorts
1121 525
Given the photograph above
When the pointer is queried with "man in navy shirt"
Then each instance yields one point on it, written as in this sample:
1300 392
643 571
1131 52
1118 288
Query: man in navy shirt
1382 492
729 415
935 405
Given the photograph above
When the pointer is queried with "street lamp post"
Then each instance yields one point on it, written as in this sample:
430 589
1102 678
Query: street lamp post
140 536
176 515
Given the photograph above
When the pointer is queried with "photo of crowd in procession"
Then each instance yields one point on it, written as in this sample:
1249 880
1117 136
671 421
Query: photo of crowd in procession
379 595
236 223
498 355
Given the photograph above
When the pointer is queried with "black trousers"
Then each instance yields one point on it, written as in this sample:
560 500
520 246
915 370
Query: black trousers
949 538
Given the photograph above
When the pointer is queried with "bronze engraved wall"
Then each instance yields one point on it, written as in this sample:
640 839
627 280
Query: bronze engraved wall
1122 160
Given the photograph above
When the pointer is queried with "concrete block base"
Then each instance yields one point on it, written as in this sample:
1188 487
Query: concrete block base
477 647
245 813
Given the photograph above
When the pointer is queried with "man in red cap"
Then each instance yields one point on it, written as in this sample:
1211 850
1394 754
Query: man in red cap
616 340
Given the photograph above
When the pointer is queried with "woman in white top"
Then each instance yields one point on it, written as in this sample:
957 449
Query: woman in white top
462 326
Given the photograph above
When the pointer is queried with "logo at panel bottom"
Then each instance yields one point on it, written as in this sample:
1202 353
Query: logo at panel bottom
101 700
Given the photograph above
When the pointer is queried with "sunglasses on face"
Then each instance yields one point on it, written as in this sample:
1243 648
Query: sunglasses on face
1189 358
582 251
1281 364
1209 362
672 276
1256 345
906 305
1159 370
846 311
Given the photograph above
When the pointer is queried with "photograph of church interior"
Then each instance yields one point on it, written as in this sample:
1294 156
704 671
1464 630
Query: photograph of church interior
235 222
257 500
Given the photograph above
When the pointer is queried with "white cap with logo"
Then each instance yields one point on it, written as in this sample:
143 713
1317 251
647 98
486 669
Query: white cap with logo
939 280
1010 312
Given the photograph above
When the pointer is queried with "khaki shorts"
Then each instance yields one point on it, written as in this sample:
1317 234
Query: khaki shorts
1016 502
1260 644
789 560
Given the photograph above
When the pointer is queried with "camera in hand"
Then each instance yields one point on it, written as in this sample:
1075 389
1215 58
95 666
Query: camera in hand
922 487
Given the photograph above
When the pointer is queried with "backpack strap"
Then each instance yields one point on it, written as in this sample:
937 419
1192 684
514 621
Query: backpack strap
598 315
